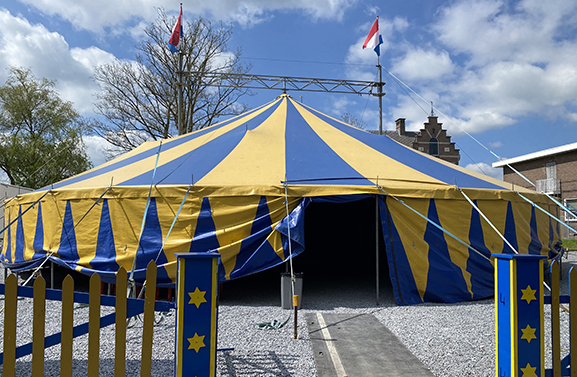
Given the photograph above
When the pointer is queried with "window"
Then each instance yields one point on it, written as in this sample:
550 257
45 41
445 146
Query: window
421 149
447 149
434 146
572 205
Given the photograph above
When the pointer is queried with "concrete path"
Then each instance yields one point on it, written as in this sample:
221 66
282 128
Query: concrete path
359 345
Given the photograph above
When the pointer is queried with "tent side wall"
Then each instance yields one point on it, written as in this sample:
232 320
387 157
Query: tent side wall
102 234
429 265
251 234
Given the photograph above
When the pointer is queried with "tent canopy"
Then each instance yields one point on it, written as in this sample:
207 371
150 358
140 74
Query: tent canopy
225 188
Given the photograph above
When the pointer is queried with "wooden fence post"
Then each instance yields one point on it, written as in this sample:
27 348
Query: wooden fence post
10 312
148 321
67 327
120 340
519 301
38 327
196 320
94 326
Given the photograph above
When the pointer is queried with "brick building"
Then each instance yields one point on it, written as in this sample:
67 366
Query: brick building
553 171
432 139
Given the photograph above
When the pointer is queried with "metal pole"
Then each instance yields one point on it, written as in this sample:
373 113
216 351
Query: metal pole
179 104
296 300
377 243
380 94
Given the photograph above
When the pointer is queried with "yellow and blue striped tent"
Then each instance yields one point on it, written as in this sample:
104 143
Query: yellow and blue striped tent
228 188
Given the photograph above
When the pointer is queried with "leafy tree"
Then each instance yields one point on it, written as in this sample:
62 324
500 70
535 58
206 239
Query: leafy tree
40 135
353 120
138 98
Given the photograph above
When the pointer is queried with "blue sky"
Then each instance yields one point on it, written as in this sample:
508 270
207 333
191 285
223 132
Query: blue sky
503 71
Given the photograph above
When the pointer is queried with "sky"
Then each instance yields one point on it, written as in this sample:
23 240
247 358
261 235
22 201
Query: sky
502 75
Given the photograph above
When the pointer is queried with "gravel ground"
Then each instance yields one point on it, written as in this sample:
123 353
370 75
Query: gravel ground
452 340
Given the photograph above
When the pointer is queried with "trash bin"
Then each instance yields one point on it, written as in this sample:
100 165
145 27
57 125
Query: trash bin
286 292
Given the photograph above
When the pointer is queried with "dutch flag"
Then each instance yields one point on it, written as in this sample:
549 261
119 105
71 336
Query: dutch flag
174 41
374 39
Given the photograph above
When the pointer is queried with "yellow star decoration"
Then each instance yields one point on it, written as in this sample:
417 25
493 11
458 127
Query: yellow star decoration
197 297
196 342
528 294
528 334
529 371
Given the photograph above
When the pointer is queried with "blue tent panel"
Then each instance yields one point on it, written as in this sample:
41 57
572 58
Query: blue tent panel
19 250
205 234
479 267
445 281
38 244
67 250
105 256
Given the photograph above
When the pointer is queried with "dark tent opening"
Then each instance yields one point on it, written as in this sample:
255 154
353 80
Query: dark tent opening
340 246
339 256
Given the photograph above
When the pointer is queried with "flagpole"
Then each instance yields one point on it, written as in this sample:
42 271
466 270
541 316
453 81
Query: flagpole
380 94
377 222
179 100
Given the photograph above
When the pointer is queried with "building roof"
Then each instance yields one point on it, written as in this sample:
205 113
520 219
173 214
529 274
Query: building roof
407 139
535 155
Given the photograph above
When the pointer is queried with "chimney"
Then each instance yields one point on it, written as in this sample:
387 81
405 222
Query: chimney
400 126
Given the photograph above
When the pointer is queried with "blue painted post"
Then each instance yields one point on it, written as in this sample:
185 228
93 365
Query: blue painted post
196 318
519 340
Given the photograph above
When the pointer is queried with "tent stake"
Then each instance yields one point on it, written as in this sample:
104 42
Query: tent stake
296 307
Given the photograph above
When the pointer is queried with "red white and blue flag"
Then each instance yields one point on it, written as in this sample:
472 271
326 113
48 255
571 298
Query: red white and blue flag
174 41
374 39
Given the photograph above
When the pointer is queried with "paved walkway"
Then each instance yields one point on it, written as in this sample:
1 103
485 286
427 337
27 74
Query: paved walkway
359 345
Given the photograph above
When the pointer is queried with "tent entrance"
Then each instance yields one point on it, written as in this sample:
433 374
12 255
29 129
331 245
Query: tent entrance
338 262
340 251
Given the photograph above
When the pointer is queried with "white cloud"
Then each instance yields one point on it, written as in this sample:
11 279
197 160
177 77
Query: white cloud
48 55
483 119
496 144
251 12
95 148
494 30
419 64
92 16
91 57
496 62
340 105
486 169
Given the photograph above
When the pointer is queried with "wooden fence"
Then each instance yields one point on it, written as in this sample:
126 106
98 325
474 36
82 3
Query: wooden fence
562 367
124 308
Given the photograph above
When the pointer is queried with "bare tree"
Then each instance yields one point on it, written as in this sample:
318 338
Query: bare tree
353 120
138 98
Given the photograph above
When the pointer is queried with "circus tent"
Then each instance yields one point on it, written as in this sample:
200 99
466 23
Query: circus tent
241 187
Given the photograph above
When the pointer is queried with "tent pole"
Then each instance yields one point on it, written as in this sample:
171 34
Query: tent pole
377 243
